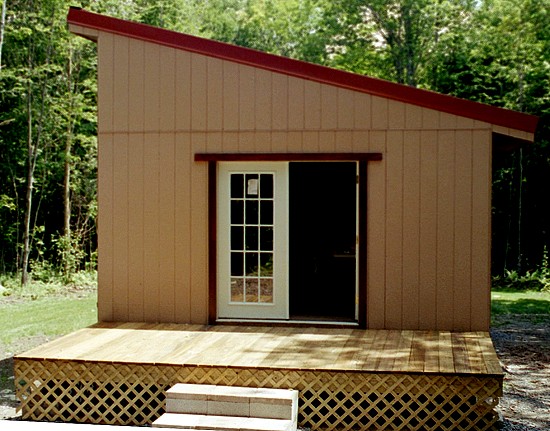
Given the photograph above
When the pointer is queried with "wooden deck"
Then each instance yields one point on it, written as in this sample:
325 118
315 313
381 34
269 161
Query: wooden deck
346 377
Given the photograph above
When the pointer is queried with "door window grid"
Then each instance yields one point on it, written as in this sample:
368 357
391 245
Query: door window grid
251 237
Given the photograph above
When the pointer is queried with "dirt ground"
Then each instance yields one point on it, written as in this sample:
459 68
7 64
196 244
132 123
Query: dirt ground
522 343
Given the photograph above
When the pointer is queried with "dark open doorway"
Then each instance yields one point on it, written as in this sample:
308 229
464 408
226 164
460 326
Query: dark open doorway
323 232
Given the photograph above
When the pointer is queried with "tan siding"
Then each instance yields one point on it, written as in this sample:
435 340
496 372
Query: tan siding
430 119
312 105
182 233
346 109
463 231
445 229
230 96
167 223
167 84
428 199
263 100
396 115
394 230
310 142
247 84
379 114
411 230
329 107
106 256
151 246
199 92
360 141
183 91
214 94
199 235
136 226
376 236
327 142
279 142
296 106
281 103
481 231
362 118
120 232
428 230
120 83
105 83
135 86
413 117
151 88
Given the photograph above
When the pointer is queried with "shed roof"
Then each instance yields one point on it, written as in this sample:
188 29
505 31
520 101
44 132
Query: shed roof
377 87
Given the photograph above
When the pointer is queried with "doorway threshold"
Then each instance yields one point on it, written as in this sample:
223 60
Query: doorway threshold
289 322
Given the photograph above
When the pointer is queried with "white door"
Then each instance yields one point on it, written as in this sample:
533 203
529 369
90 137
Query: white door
252 237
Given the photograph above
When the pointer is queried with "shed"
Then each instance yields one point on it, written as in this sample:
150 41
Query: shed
378 194
241 188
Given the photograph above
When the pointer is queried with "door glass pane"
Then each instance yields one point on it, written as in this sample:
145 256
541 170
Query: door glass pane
266 212
266 238
237 186
251 212
237 212
266 186
237 238
237 290
251 231
266 290
251 238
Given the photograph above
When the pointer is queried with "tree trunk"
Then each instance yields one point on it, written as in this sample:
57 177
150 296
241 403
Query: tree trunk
2 25
67 172
28 195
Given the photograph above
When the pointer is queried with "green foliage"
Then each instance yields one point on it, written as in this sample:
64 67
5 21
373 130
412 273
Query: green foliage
494 51
537 280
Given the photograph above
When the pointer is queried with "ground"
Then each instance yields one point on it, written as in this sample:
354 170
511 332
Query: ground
522 343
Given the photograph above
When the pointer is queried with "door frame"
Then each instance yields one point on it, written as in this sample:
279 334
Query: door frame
213 158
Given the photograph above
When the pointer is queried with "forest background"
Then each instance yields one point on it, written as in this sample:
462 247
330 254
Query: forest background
492 51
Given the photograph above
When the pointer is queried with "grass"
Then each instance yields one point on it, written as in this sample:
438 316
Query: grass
512 306
46 316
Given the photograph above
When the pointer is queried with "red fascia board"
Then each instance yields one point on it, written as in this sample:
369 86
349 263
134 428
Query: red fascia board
300 69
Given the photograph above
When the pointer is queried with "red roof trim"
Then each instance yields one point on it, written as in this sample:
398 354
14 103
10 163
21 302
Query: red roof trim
377 87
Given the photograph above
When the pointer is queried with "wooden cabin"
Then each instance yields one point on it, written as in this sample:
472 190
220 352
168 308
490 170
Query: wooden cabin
245 193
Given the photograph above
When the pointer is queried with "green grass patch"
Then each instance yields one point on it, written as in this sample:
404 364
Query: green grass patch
504 301
48 316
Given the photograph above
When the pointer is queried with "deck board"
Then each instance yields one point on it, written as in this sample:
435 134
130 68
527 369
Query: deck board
344 349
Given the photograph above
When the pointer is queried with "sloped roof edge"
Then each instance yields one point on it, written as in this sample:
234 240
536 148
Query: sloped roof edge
374 86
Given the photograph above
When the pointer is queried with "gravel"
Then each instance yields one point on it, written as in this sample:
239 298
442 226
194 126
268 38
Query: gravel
522 344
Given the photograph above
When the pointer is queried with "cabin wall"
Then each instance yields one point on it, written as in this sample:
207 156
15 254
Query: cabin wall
428 199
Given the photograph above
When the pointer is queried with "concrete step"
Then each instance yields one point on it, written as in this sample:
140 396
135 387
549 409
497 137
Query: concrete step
222 423
233 401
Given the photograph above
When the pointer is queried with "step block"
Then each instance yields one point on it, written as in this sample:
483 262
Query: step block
232 401
219 423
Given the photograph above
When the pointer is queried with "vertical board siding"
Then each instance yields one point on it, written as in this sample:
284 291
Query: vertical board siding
120 234
463 231
411 230
428 230
136 197
394 231
167 224
106 256
428 218
151 246
376 235
445 229
481 231
182 234
199 234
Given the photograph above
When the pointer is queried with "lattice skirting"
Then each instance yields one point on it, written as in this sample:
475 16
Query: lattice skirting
133 394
